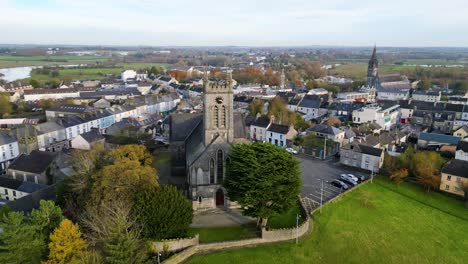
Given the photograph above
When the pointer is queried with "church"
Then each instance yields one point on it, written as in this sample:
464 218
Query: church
201 143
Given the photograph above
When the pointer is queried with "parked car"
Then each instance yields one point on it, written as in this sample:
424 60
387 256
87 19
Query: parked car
348 181
351 176
340 184
361 178
291 150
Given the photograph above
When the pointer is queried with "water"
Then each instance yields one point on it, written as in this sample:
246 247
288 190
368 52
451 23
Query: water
17 73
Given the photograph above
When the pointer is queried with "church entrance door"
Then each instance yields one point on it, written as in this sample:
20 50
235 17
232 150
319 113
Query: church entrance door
220 198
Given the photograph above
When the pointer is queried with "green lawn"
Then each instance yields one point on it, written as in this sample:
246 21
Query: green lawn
215 234
377 223
7 61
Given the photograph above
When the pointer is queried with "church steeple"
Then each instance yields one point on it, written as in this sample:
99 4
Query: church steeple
283 79
372 69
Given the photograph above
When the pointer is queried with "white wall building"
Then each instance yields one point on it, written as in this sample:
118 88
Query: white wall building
8 151
426 96
386 118
128 74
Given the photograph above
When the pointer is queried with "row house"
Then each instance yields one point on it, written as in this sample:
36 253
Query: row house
9 150
454 178
387 118
362 156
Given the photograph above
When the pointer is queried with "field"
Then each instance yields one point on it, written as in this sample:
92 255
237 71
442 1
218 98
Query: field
216 234
358 71
18 61
377 223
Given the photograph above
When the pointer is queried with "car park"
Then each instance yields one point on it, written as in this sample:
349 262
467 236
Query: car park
340 184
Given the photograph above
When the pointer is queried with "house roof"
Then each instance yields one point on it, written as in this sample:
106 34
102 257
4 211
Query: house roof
441 138
36 162
6 139
462 145
10 183
92 136
456 167
370 150
71 108
310 103
325 129
262 121
280 129
30 187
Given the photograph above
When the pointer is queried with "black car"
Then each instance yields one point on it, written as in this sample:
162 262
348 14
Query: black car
349 182
340 184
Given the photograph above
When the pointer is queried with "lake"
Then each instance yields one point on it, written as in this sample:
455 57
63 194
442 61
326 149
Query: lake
17 73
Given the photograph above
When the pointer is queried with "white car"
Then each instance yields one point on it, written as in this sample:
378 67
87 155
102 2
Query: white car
291 150
351 176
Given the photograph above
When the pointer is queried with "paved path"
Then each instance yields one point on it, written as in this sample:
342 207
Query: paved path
219 217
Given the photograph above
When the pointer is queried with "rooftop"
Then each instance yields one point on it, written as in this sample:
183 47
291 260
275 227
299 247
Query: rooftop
36 162
456 167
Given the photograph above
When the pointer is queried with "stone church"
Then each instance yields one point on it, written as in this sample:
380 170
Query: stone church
201 143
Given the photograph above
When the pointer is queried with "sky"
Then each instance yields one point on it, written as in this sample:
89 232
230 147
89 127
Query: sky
235 22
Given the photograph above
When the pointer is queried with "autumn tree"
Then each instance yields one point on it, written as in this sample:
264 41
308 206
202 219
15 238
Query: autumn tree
46 103
264 179
112 228
255 108
5 105
427 166
279 110
66 244
178 75
399 175
333 121
300 124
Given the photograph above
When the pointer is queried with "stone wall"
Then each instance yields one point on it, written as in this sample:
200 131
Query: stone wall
286 233
173 245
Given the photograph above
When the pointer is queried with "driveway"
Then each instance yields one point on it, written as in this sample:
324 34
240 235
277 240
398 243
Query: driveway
315 171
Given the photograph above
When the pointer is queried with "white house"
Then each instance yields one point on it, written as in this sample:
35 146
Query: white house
87 140
386 118
54 94
279 134
8 151
462 151
426 96
258 128
128 74
11 189
393 94
362 156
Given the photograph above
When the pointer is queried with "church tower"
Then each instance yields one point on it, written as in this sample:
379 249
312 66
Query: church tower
218 117
372 69
283 79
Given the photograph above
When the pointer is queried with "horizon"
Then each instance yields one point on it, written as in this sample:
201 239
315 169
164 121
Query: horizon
207 23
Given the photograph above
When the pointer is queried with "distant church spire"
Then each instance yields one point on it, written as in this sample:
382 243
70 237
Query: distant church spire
372 69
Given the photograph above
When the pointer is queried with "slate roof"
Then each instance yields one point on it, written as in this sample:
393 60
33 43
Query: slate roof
294 101
30 187
310 103
262 121
325 129
6 139
36 162
441 138
10 183
71 108
463 145
182 124
92 136
454 107
370 150
280 129
249 120
165 78
456 167
239 126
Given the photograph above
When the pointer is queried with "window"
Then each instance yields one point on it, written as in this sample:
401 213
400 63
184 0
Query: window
223 116
457 189
6 191
449 177
281 136
281 143
215 117
458 179
14 193
220 163
212 171
447 187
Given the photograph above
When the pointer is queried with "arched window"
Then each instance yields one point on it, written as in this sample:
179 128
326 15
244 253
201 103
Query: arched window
212 171
223 116
216 116
220 169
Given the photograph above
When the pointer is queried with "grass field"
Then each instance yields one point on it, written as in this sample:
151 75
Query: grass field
358 71
18 61
377 223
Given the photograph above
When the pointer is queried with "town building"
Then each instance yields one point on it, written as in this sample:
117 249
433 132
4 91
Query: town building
362 156
258 128
426 96
87 140
280 135
328 132
37 167
9 150
11 189
387 118
454 177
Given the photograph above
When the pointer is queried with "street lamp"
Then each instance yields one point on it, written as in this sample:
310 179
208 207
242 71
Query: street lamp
297 228
321 195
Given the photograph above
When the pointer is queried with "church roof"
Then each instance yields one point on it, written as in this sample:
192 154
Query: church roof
182 124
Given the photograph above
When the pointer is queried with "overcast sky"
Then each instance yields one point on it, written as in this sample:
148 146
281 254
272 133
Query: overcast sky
235 22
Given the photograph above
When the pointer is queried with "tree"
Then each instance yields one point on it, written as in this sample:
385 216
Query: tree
34 83
256 107
5 105
300 123
264 179
333 121
427 168
65 244
68 101
424 84
399 175
47 103
54 73
19 241
132 152
163 212
47 217
113 229
279 110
